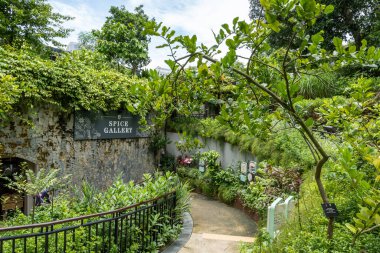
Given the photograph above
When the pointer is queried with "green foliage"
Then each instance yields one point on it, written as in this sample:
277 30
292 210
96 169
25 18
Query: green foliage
167 162
33 183
80 80
158 142
267 99
368 218
211 158
227 187
87 40
30 23
353 18
228 193
305 230
9 94
88 200
122 38
280 149
188 144
319 86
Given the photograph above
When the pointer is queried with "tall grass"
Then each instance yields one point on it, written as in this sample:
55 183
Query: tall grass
319 86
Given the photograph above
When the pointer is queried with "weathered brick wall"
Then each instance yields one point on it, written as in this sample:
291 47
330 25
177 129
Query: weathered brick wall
48 142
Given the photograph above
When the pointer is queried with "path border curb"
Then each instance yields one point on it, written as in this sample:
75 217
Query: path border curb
184 237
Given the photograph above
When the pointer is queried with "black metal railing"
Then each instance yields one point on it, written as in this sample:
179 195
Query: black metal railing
136 228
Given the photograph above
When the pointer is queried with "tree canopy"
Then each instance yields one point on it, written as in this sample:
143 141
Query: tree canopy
352 20
87 40
122 38
30 22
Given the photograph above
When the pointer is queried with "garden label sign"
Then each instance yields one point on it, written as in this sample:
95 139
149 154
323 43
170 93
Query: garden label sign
243 168
330 210
243 171
106 125
252 167
202 165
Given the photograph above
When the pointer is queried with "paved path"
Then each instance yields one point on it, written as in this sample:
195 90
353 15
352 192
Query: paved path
217 227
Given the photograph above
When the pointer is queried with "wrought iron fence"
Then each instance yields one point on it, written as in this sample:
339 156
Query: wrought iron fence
134 228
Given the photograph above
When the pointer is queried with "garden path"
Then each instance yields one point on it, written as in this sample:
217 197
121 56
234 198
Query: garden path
217 227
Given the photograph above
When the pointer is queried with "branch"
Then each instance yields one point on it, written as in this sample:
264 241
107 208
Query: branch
254 51
261 62
370 229
251 80
285 74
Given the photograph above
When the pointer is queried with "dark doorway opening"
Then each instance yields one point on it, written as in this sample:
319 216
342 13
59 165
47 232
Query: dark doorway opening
11 199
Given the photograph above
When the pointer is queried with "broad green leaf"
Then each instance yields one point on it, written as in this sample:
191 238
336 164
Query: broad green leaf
270 18
162 46
329 9
317 38
265 3
352 49
131 108
376 163
351 228
230 43
309 122
275 26
227 28
338 45
308 5
203 69
170 63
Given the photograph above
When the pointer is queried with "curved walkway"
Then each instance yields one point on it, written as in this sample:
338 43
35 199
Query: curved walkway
217 227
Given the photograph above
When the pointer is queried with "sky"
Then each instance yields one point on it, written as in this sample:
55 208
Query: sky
186 17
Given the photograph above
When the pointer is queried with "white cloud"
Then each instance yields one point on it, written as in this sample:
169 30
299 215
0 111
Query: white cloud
85 18
200 18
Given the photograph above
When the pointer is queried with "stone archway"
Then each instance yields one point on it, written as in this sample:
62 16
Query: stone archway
10 198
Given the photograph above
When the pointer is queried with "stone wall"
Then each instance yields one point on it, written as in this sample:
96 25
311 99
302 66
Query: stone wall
47 141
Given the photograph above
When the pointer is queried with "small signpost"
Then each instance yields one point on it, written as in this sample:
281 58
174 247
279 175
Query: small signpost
251 171
252 167
330 210
250 177
243 171
202 165
278 213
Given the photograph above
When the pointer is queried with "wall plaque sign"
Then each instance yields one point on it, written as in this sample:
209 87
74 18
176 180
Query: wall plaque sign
106 125
243 168
202 165
250 177
252 167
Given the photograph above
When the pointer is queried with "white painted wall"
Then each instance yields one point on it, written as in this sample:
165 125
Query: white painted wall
230 155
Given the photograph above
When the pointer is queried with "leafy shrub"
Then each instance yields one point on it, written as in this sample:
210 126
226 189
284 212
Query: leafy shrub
254 196
188 144
167 162
227 177
80 79
306 229
227 193
118 195
207 188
